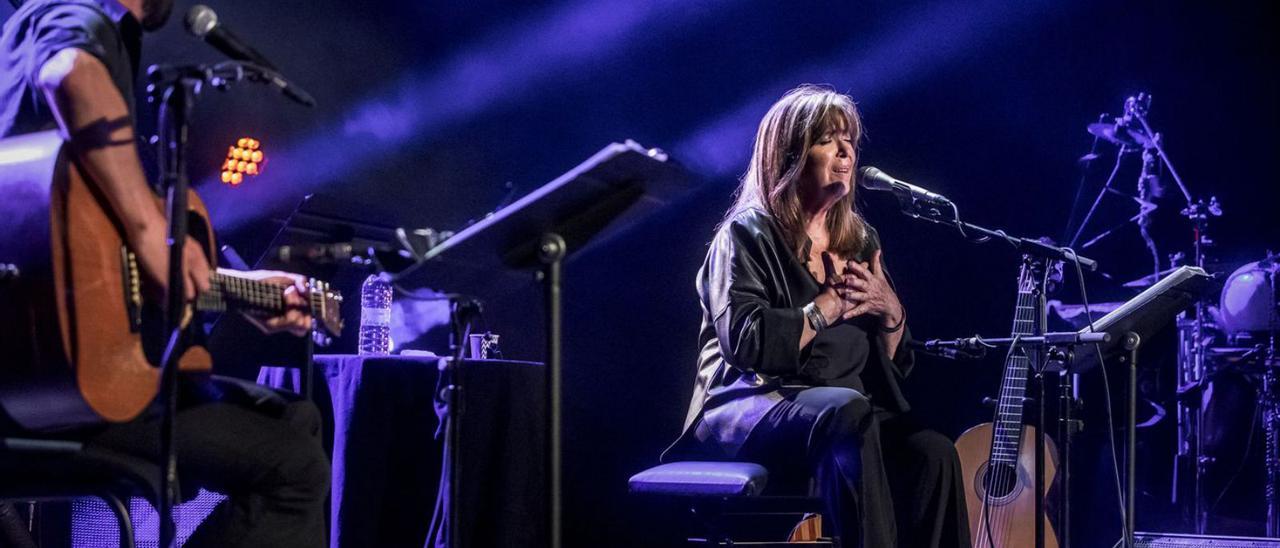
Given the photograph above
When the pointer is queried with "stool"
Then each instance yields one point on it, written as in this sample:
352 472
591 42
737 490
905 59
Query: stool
59 470
716 490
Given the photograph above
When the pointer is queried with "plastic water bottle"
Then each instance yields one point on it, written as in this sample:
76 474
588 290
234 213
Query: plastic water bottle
375 315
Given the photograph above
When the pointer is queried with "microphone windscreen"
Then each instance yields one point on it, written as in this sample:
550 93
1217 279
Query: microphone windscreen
873 179
200 20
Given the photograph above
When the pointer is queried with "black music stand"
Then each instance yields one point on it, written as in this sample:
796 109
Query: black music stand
1145 313
620 184
1135 320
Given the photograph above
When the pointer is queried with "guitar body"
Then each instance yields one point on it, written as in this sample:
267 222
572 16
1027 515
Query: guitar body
79 341
1012 506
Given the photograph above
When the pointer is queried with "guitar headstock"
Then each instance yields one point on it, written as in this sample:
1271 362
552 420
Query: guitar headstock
326 309
1035 272
1029 274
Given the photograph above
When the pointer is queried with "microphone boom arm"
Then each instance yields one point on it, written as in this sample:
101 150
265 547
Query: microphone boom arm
221 75
1024 245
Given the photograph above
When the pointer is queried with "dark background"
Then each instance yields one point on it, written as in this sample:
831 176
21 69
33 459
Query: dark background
428 108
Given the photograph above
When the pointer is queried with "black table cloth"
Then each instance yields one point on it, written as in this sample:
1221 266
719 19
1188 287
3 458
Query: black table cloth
387 456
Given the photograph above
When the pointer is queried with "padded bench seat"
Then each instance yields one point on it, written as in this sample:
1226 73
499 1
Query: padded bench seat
702 479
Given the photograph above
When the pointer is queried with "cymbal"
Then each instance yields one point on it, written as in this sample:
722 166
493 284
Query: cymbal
1115 134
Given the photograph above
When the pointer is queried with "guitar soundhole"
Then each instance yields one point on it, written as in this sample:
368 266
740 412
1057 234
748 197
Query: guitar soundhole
999 480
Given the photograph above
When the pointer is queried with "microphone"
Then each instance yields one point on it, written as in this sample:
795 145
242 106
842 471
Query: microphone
341 252
871 178
950 353
202 22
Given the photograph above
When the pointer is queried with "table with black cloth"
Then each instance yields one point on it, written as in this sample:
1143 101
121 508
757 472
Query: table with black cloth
382 422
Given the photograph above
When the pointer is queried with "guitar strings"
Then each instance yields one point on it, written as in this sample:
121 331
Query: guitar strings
997 471
1002 478
1017 378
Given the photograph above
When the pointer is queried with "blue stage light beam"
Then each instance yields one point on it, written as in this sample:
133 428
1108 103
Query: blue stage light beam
507 66
917 43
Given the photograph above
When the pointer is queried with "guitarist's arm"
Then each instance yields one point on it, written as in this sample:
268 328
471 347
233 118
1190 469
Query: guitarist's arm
95 120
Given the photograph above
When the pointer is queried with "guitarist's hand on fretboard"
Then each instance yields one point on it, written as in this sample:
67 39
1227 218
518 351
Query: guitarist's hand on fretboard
295 318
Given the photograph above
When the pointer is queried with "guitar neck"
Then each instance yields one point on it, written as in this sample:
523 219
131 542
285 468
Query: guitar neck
1008 422
229 292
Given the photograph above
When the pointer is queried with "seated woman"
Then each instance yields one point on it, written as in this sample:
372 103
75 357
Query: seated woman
803 341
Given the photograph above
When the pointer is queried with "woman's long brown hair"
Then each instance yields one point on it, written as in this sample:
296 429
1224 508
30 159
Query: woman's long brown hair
791 126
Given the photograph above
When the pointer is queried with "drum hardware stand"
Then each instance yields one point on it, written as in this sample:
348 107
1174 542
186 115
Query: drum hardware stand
1271 428
1269 398
1192 373
1131 132
1191 358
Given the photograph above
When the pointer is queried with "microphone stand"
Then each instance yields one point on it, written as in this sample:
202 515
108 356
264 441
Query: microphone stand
175 88
1024 245
176 95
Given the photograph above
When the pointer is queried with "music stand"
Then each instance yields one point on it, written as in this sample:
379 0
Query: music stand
1131 323
1145 313
618 185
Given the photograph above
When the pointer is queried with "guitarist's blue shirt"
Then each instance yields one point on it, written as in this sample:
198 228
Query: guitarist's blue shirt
41 28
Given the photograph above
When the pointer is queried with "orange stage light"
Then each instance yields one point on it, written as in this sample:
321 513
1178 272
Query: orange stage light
243 159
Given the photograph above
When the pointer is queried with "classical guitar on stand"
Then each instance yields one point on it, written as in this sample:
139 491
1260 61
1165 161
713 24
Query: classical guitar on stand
998 458
79 335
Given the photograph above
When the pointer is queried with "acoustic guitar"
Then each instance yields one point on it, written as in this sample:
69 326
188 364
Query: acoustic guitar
997 458
80 335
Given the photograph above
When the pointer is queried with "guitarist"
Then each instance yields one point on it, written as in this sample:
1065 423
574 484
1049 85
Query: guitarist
72 65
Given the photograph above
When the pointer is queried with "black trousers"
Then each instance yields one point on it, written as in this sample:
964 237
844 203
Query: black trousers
887 481
259 447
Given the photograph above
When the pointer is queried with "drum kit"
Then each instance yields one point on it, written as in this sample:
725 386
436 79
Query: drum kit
1228 359
1230 340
